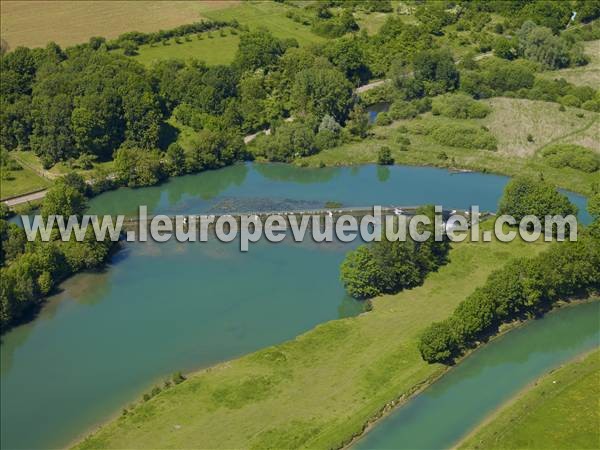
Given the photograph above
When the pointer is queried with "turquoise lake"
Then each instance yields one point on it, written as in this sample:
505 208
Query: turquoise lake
107 337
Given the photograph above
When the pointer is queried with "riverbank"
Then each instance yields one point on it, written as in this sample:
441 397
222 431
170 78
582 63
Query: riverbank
555 411
515 155
133 293
361 363
397 404
455 404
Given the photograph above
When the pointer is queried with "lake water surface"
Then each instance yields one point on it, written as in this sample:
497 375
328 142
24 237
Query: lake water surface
159 308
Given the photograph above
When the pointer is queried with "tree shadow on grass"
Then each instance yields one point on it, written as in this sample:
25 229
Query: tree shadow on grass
168 135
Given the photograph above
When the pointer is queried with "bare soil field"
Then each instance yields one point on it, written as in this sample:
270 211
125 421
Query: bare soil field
33 23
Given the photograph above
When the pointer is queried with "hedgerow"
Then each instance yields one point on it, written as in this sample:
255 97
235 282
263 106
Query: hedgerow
459 106
524 288
571 155
464 136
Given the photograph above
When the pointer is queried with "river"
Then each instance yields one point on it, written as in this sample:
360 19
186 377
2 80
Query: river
452 406
158 308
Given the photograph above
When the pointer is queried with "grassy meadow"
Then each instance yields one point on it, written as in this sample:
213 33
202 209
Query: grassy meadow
269 399
588 75
220 48
510 121
212 48
33 23
21 182
559 412
34 177
270 15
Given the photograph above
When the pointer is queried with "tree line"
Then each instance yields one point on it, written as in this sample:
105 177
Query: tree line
29 271
88 103
524 287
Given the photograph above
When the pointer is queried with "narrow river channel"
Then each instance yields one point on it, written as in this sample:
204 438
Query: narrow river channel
159 308
456 403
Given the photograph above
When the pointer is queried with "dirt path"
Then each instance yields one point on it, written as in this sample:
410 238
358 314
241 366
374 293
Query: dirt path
40 171
25 198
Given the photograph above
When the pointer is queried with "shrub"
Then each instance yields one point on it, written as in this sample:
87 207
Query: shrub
571 155
438 343
130 48
403 110
464 136
178 378
591 105
459 106
527 196
570 100
384 156
420 128
383 119
289 140
403 140
138 167
335 26
329 123
326 139
85 161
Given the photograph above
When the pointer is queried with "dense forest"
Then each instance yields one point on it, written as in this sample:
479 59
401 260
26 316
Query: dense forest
90 103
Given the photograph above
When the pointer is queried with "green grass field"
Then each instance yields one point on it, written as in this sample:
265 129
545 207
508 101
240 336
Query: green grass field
561 411
221 49
34 177
270 15
21 182
514 155
271 398
213 50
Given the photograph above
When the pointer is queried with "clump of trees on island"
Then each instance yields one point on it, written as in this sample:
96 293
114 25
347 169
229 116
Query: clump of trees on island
524 287
387 267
